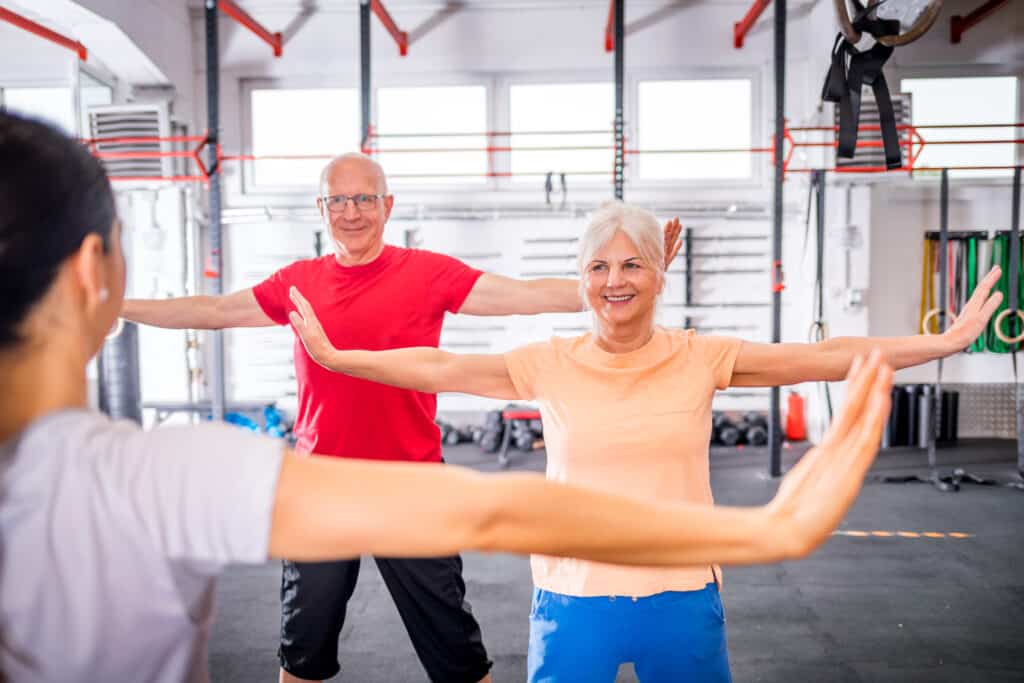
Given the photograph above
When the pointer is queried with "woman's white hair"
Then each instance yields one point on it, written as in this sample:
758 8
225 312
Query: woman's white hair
639 225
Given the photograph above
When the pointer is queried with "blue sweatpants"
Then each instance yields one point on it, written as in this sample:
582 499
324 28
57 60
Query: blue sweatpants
670 637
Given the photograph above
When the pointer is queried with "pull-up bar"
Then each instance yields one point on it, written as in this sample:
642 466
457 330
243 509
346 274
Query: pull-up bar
43 32
609 28
231 9
401 37
743 26
958 25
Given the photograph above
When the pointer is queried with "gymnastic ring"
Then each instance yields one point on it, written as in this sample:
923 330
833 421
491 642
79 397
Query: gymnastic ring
934 313
116 329
998 326
921 25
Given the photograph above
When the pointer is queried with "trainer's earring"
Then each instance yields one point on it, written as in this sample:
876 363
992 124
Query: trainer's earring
104 294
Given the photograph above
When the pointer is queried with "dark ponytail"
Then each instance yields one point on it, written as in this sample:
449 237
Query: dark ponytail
53 193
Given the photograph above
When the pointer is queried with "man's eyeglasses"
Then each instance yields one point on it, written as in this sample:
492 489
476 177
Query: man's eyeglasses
363 202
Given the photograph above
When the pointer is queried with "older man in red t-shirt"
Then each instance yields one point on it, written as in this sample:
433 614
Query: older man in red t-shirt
373 296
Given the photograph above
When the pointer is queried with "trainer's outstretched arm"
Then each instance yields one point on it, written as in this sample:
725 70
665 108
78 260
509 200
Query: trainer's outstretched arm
328 508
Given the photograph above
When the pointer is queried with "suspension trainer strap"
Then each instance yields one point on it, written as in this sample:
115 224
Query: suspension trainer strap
850 70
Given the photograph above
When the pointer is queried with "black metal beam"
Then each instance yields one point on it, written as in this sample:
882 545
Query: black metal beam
214 265
688 282
620 77
364 72
775 421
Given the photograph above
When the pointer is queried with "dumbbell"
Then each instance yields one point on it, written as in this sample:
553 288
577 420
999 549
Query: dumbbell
446 430
524 440
493 420
490 441
522 436
727 432
757 429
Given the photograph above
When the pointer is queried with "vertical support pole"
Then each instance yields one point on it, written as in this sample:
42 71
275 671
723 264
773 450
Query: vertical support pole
775 421
942 319
214 284
620 76
364 73
688 280
819 215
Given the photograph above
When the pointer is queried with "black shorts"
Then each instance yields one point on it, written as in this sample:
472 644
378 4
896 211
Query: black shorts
431 599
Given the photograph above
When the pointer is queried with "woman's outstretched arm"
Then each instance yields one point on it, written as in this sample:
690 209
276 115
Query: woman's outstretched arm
421 368
767 365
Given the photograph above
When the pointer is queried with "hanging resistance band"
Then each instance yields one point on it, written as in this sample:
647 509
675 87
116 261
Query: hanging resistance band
978 344
843 84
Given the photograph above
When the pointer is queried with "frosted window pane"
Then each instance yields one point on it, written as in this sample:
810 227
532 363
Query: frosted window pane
694 115
960 101
568 109
428 116
319 122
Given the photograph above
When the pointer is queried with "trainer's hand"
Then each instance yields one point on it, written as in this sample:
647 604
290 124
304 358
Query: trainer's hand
672 242
815 495
975 314
308 327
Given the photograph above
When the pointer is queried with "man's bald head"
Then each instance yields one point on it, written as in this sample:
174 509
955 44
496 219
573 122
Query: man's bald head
355 162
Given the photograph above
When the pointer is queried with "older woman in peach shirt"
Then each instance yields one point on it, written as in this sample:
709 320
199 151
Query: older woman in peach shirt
627 409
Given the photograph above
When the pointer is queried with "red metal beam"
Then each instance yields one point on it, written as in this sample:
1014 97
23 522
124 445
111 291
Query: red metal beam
401 37
43 32
609 28
229 8
958 25
742 27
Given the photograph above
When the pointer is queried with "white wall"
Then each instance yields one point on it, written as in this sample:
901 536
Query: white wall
162 30
28 60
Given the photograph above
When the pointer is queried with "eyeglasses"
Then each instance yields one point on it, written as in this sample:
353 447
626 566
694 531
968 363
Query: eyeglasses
363 202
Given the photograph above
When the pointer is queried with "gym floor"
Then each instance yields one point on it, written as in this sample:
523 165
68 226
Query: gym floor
863 608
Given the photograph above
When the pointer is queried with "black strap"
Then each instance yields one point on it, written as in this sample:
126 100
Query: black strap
846 77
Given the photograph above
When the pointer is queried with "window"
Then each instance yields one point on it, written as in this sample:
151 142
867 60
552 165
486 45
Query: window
965 101
435 120
694 115
53 105
570 115
319 123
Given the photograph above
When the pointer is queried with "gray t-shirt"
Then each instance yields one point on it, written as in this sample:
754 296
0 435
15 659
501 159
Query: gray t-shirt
110 539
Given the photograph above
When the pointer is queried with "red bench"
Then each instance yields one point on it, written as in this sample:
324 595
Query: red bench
508 416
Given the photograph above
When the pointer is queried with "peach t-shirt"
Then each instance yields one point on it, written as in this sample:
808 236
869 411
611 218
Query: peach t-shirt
636 424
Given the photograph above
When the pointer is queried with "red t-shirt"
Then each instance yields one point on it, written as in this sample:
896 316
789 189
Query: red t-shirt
397 300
